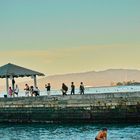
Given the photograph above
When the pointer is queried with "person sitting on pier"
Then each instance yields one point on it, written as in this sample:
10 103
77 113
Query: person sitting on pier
102 135
64 89
82 89
36 91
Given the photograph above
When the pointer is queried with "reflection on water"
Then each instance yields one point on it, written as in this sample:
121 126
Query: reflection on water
67 131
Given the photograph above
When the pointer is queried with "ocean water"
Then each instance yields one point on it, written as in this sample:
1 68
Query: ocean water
72 131
67 131
88 90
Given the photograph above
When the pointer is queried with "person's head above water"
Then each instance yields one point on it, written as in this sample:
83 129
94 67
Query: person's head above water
104 129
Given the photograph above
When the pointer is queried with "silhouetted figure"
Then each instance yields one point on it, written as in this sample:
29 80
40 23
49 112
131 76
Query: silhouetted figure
64 89
31 90
82 89
13 84
72 88
48 87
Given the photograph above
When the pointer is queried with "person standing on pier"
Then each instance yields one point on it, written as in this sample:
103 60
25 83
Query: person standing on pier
64 89
10 91
48 87
16 91
72 88
27 90
82 88
13 84
102 135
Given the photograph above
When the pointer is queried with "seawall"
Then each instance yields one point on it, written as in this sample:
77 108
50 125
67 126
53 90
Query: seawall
105 108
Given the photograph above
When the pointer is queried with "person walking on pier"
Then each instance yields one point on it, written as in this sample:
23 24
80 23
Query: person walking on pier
64 89
48 87
72 88
82 88
102 135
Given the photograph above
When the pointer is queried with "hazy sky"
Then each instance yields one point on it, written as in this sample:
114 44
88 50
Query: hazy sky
63 36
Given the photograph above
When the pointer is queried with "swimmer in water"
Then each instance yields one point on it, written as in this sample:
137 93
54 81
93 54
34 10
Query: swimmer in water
102 135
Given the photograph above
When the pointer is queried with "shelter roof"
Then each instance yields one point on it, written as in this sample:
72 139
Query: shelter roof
9 70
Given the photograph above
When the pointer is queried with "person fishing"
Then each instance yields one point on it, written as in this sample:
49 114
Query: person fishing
102 135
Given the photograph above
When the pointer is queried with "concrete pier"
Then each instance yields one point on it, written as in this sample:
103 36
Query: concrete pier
105 108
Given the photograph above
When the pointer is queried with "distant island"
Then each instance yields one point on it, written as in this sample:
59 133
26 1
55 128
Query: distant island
128 83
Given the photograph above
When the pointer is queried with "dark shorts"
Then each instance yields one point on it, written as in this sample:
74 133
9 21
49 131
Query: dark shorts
16 93
96 139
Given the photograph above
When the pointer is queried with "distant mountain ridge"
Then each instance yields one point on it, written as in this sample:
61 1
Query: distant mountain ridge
91 78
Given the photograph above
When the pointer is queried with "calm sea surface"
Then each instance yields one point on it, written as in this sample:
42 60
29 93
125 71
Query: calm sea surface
88 90
67 131
72 131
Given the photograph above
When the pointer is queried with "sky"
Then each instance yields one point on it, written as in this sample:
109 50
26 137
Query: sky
70 36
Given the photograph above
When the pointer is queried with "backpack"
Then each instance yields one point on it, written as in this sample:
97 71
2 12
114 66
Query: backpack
65 88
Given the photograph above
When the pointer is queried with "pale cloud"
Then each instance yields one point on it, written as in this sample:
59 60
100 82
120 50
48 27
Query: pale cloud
75 59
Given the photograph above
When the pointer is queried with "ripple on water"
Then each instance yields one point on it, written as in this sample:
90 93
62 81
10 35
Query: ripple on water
67 131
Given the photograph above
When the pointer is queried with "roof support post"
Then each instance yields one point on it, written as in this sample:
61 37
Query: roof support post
7 85
35 81
13 83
